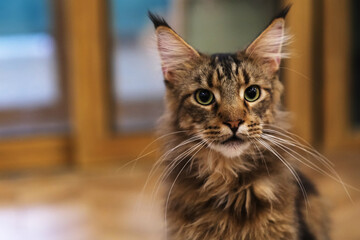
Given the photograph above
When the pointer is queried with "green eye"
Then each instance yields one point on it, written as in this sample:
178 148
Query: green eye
204 97
252 93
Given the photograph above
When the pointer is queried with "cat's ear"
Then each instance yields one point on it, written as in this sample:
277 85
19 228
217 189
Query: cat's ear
174 52
268 46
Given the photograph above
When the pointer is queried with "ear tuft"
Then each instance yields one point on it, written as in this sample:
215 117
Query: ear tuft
283 12
268 46
174 52
157 20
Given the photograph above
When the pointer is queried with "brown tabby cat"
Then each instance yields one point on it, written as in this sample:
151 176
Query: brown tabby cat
230 173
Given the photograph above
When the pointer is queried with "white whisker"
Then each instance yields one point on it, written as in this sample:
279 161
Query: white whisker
280 143
171 167
291 169
177 176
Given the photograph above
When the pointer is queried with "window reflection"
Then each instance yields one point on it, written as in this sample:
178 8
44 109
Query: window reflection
31 96
138 85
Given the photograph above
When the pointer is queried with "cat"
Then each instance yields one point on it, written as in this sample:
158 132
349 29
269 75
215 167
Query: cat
229 173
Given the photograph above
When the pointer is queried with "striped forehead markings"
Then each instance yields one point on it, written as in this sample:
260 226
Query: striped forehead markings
223 67
246 76
198 79
210 79
226 64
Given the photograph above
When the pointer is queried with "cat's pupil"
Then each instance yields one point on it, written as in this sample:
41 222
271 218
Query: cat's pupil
204 95
251 92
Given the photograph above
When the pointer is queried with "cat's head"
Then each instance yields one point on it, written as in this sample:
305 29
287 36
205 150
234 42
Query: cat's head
223 99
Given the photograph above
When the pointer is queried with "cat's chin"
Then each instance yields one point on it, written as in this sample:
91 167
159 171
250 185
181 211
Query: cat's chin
231 149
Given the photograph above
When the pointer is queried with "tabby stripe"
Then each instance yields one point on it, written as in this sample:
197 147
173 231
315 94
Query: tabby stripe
218 76
168 84
304 230
212 127
183 98
246 105
254 129
246 76
237 70
236 60
215 108
268 90
213 132
198 79
210 79
227 69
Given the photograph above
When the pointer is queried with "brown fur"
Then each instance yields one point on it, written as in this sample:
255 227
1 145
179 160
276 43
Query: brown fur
215 192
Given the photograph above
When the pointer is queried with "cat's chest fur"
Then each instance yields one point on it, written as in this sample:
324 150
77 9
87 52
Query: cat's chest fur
229 205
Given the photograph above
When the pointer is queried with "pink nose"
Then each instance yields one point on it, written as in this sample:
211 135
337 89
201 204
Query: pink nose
233 124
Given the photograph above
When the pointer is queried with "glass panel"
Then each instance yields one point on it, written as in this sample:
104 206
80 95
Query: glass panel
355 50
31 99
138 87
232 26
209 26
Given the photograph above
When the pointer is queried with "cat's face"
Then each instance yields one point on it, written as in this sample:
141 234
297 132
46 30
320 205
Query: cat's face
223 99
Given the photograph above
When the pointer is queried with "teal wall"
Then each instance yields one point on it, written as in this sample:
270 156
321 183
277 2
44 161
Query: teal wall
25 16
129 17
34 16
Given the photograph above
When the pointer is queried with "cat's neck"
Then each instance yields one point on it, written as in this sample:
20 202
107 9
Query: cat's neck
218 173
225 180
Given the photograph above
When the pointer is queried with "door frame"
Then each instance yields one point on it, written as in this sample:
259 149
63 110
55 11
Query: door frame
90 76
338 132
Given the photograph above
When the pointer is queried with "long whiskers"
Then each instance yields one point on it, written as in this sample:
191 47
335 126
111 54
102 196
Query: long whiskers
291 169
261 155
282 145
174 162
165 155
160 161
203 143
296 139
291 143
142 155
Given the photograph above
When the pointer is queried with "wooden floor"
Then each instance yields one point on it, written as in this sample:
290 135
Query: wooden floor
106 204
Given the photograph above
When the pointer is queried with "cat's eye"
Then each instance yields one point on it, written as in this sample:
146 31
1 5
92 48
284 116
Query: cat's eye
252 93
204 97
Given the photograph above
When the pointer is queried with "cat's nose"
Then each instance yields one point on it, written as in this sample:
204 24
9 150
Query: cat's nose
234 125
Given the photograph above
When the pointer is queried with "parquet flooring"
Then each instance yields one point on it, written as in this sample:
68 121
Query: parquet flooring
104 204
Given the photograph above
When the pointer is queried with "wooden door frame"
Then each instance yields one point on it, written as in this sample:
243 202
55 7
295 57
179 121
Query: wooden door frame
338 133
298 69
41 152
89 44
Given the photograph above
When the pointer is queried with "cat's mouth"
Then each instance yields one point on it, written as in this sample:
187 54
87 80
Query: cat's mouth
233 140
232 147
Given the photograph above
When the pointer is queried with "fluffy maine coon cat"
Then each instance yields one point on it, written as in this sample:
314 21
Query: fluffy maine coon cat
230 171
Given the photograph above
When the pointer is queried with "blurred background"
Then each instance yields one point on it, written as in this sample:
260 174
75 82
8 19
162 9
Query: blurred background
81 91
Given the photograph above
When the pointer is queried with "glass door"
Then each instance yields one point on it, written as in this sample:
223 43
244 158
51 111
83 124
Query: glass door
33 113
32 92
137 85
